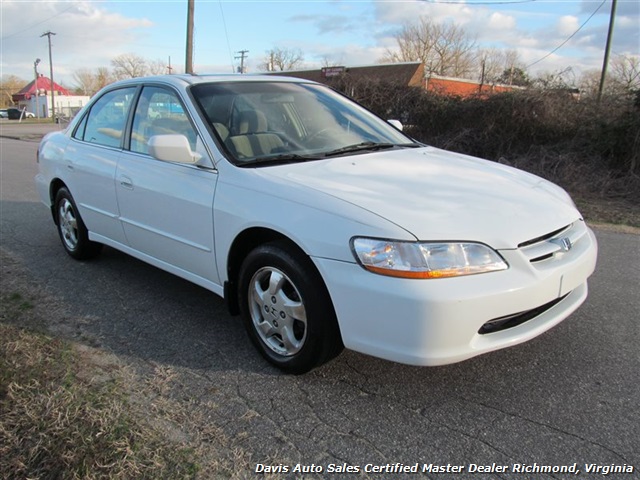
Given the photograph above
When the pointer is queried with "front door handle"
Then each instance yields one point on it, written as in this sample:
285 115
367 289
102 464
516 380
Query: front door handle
126 182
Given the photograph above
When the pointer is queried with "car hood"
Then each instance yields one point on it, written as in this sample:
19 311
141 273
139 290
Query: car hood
438 195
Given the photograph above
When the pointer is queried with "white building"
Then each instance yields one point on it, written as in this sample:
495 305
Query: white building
38 95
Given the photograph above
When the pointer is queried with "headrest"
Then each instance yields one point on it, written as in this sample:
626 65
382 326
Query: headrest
222 130
250 121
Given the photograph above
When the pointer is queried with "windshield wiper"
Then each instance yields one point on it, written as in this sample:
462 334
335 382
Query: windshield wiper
367 147
279 159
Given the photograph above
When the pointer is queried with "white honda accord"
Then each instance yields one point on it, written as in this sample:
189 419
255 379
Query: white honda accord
321 224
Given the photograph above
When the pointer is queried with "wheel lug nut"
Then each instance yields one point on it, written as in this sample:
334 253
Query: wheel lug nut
273 300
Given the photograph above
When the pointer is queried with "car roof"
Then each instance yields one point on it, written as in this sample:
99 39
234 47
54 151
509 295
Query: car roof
185 80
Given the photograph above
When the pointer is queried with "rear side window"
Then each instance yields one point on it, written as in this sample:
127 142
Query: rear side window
106 121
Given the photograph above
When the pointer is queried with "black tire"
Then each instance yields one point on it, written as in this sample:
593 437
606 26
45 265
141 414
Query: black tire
286 309
73 233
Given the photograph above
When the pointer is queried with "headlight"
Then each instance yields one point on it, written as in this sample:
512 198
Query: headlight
426 260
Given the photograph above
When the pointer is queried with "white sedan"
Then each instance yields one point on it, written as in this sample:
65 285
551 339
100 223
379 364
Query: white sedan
322 225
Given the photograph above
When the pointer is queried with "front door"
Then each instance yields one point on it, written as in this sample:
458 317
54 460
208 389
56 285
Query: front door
166 209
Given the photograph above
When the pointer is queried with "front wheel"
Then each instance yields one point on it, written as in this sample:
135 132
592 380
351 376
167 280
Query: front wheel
71 228
287 310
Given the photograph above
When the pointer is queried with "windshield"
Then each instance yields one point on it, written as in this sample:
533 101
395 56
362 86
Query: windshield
262 123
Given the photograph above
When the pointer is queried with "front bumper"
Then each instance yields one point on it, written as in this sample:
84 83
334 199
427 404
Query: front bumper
437 322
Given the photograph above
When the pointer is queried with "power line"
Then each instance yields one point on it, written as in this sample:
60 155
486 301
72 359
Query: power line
23 29
570 36
226 34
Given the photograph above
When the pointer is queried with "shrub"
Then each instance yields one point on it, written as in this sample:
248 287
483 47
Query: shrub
511 123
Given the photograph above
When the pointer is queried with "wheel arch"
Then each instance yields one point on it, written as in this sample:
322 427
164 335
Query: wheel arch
246 241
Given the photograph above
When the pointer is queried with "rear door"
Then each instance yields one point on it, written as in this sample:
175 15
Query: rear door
91 159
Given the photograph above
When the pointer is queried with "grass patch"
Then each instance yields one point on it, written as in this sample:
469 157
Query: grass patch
71 411
16 301
63 418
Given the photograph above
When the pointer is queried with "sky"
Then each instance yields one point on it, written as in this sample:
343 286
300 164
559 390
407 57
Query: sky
90 33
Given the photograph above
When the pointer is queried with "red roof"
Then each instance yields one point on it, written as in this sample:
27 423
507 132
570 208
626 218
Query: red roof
43 83
459 87
409 73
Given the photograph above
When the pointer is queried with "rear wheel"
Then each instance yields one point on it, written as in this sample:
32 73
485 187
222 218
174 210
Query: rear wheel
287 310
71 228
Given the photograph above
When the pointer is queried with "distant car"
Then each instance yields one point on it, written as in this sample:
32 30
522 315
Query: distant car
4 113
321 224
17 113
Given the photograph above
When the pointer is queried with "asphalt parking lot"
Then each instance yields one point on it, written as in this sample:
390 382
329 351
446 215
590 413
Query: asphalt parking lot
570 396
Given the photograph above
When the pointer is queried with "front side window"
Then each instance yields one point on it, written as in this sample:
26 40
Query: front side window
105 123
159 112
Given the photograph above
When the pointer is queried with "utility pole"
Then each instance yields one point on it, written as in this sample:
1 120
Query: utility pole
52 88
35 71
607 49
188 68
242 57
169 67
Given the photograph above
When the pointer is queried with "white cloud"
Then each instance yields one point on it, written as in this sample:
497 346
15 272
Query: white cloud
327 23
400 12
86 37
500 21
567 25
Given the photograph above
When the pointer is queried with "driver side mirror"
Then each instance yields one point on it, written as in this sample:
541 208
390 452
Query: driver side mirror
396 123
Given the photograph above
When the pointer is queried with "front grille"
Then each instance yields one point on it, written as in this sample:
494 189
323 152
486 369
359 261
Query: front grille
558 242
542 238
510 321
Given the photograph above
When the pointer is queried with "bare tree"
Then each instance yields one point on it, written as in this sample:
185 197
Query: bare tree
623 78
9 85
88 82
490 65
444 48
328 62
103 77
281 59
589 83
625 73
557 80
157 67
129 65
